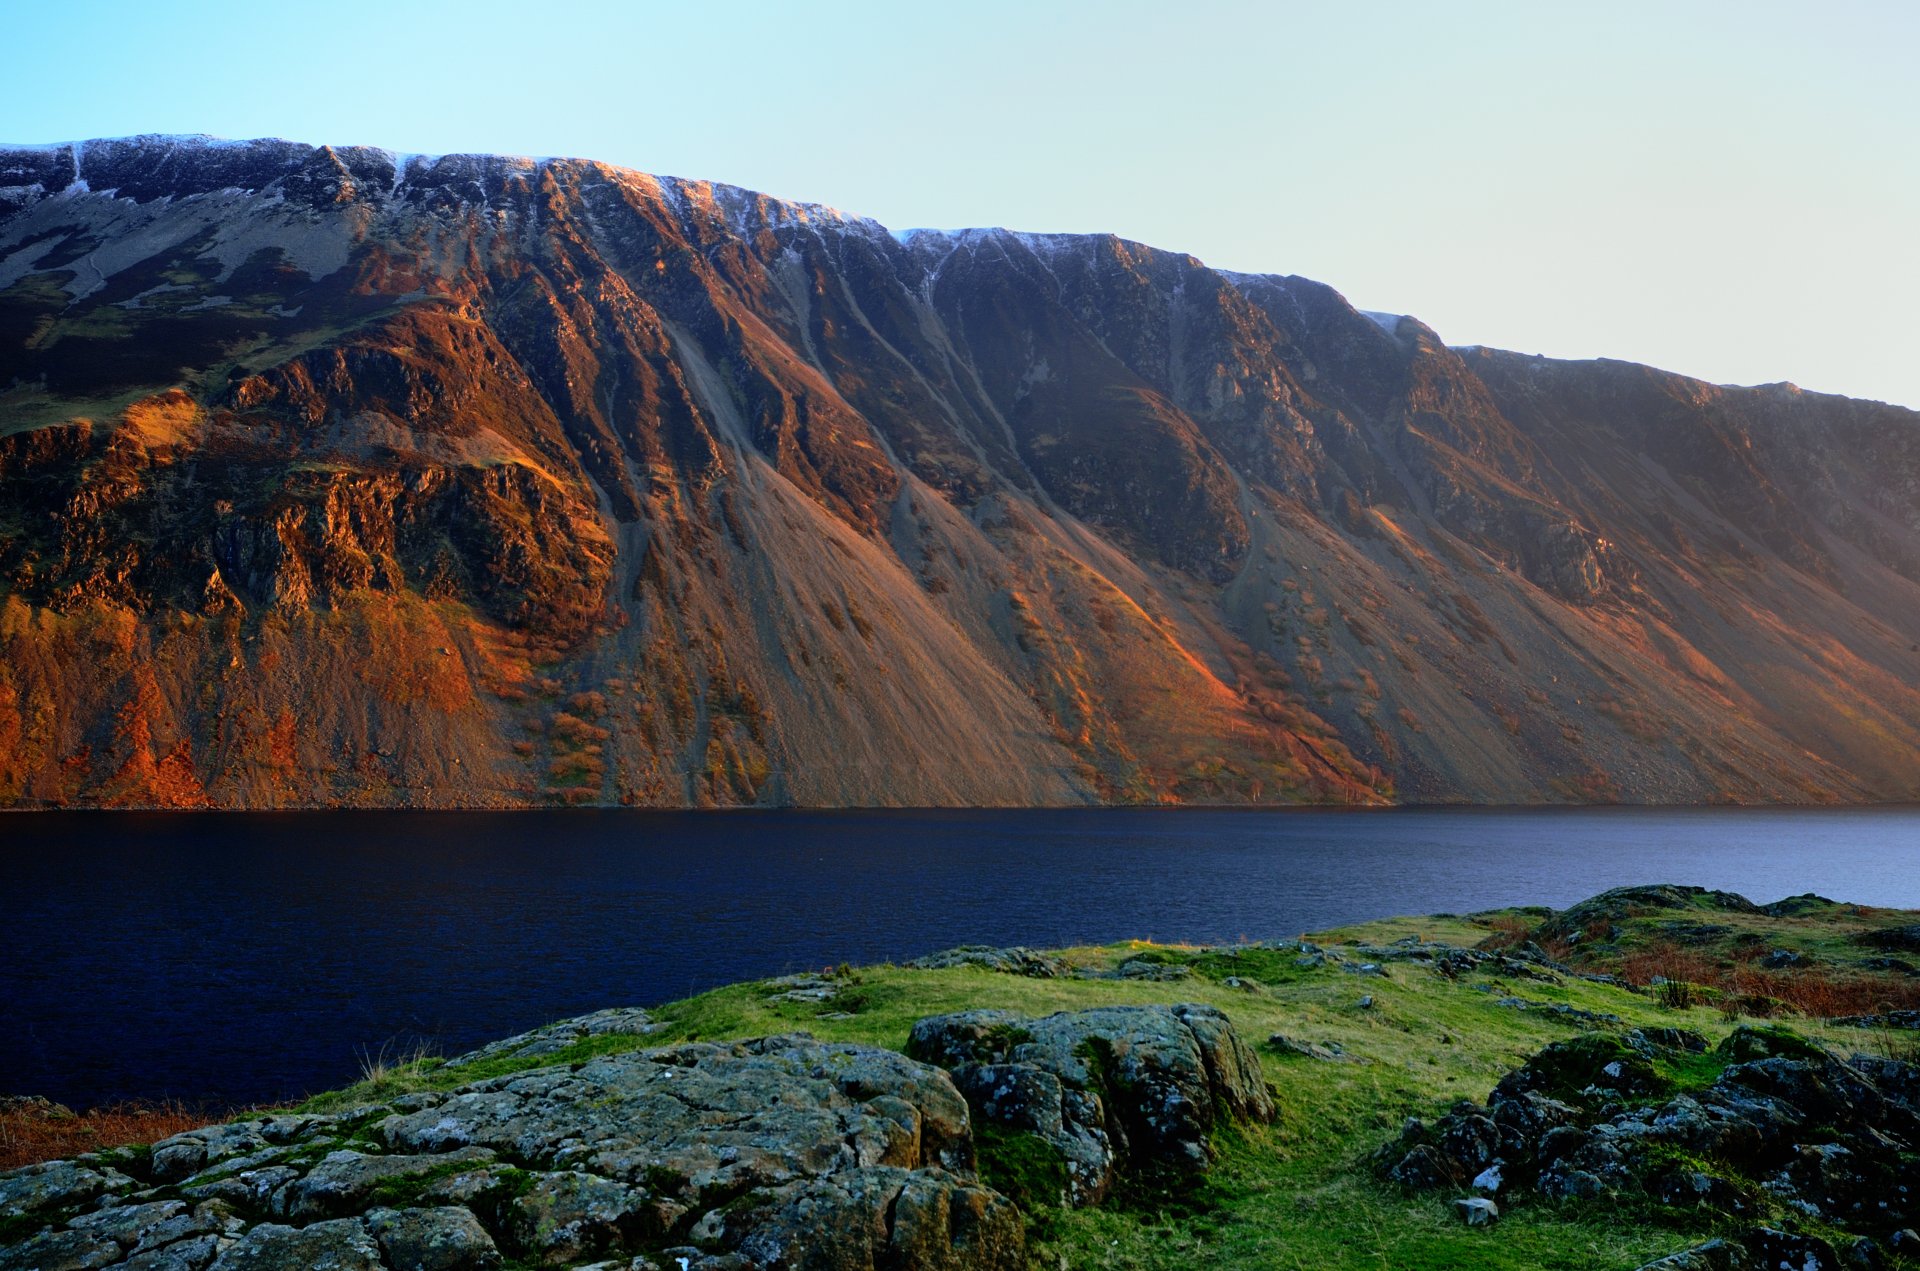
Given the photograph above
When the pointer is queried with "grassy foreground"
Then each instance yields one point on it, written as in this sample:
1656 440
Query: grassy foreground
1298 1194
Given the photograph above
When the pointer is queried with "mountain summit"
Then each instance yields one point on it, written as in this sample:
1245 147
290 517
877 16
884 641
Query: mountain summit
335 476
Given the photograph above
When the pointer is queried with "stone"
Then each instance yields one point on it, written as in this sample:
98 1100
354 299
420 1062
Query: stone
566 1217
614 1158
1147 969
1714 1255
441 1238
1139 1085
1865 1254
1328 1051
195 1253
342 1244
1073 1121
1893 939
33 1105
1833 1140
551 1038
48 1186
60 1251
1016 960
345 1182
882 1218
1774 1248
1477 1211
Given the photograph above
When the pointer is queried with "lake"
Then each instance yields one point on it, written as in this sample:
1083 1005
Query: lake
232 957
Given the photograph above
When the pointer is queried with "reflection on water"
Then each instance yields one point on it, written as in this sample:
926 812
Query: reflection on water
239 957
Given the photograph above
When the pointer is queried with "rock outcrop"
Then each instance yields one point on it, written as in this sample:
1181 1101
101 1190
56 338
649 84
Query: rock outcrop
1125 1093
776 1153
1785 1129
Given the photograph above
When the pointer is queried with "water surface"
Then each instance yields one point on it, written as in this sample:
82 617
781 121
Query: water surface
233 957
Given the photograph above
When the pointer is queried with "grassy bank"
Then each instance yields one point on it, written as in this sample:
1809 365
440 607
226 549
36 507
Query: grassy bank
1298 1194
1386 1037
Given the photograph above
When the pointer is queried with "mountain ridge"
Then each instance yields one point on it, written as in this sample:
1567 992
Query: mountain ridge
344 476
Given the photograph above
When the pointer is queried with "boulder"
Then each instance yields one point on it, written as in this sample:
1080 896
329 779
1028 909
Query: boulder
342 1244
1714 1255
439 1238
1133 1089
1904 939
782 1151
552 1038
1785 1124
1016 960
56 1185
1477 1211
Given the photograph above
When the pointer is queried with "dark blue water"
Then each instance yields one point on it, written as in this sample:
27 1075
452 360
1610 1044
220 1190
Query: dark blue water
231 958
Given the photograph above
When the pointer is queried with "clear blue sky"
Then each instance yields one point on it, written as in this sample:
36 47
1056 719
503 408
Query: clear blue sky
1728 189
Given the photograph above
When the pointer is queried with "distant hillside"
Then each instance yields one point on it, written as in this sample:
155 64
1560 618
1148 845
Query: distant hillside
334 476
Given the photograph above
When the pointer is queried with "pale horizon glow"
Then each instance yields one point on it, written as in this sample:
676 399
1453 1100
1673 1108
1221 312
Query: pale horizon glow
1726 191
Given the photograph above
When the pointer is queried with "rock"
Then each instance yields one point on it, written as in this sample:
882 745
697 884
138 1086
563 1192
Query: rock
1012 961
1312 1050
1477 1211
345 1182
615 1158
1891 1019
1651 1041
1611 907
879 1219
1148 969
1781 959
1892 939
235 1145
1365 1003
1139 1085
340 1245
1072 1121
1865 1254
1714 1255
33 1105
1784 1119
623 1021
1585 1069
60 1251
441 1238
1558 1008
193 1254
1772 1248
52 1185
570 1216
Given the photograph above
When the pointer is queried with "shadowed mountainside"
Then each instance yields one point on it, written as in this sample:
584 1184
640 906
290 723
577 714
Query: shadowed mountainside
334 476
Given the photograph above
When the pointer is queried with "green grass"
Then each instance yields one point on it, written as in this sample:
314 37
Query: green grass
1299 1193
1295 1194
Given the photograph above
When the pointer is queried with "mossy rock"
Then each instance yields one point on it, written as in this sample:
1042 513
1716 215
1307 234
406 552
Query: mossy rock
1599 1062
1747 1044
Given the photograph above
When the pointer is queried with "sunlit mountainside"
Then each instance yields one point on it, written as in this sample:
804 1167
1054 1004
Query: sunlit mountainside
335 476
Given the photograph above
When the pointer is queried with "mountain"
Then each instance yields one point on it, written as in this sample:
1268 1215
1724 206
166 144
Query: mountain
335 476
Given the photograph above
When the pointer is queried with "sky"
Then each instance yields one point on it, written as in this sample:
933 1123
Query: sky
1730 190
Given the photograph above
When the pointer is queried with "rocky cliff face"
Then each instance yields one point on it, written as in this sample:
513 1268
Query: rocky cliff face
335 476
